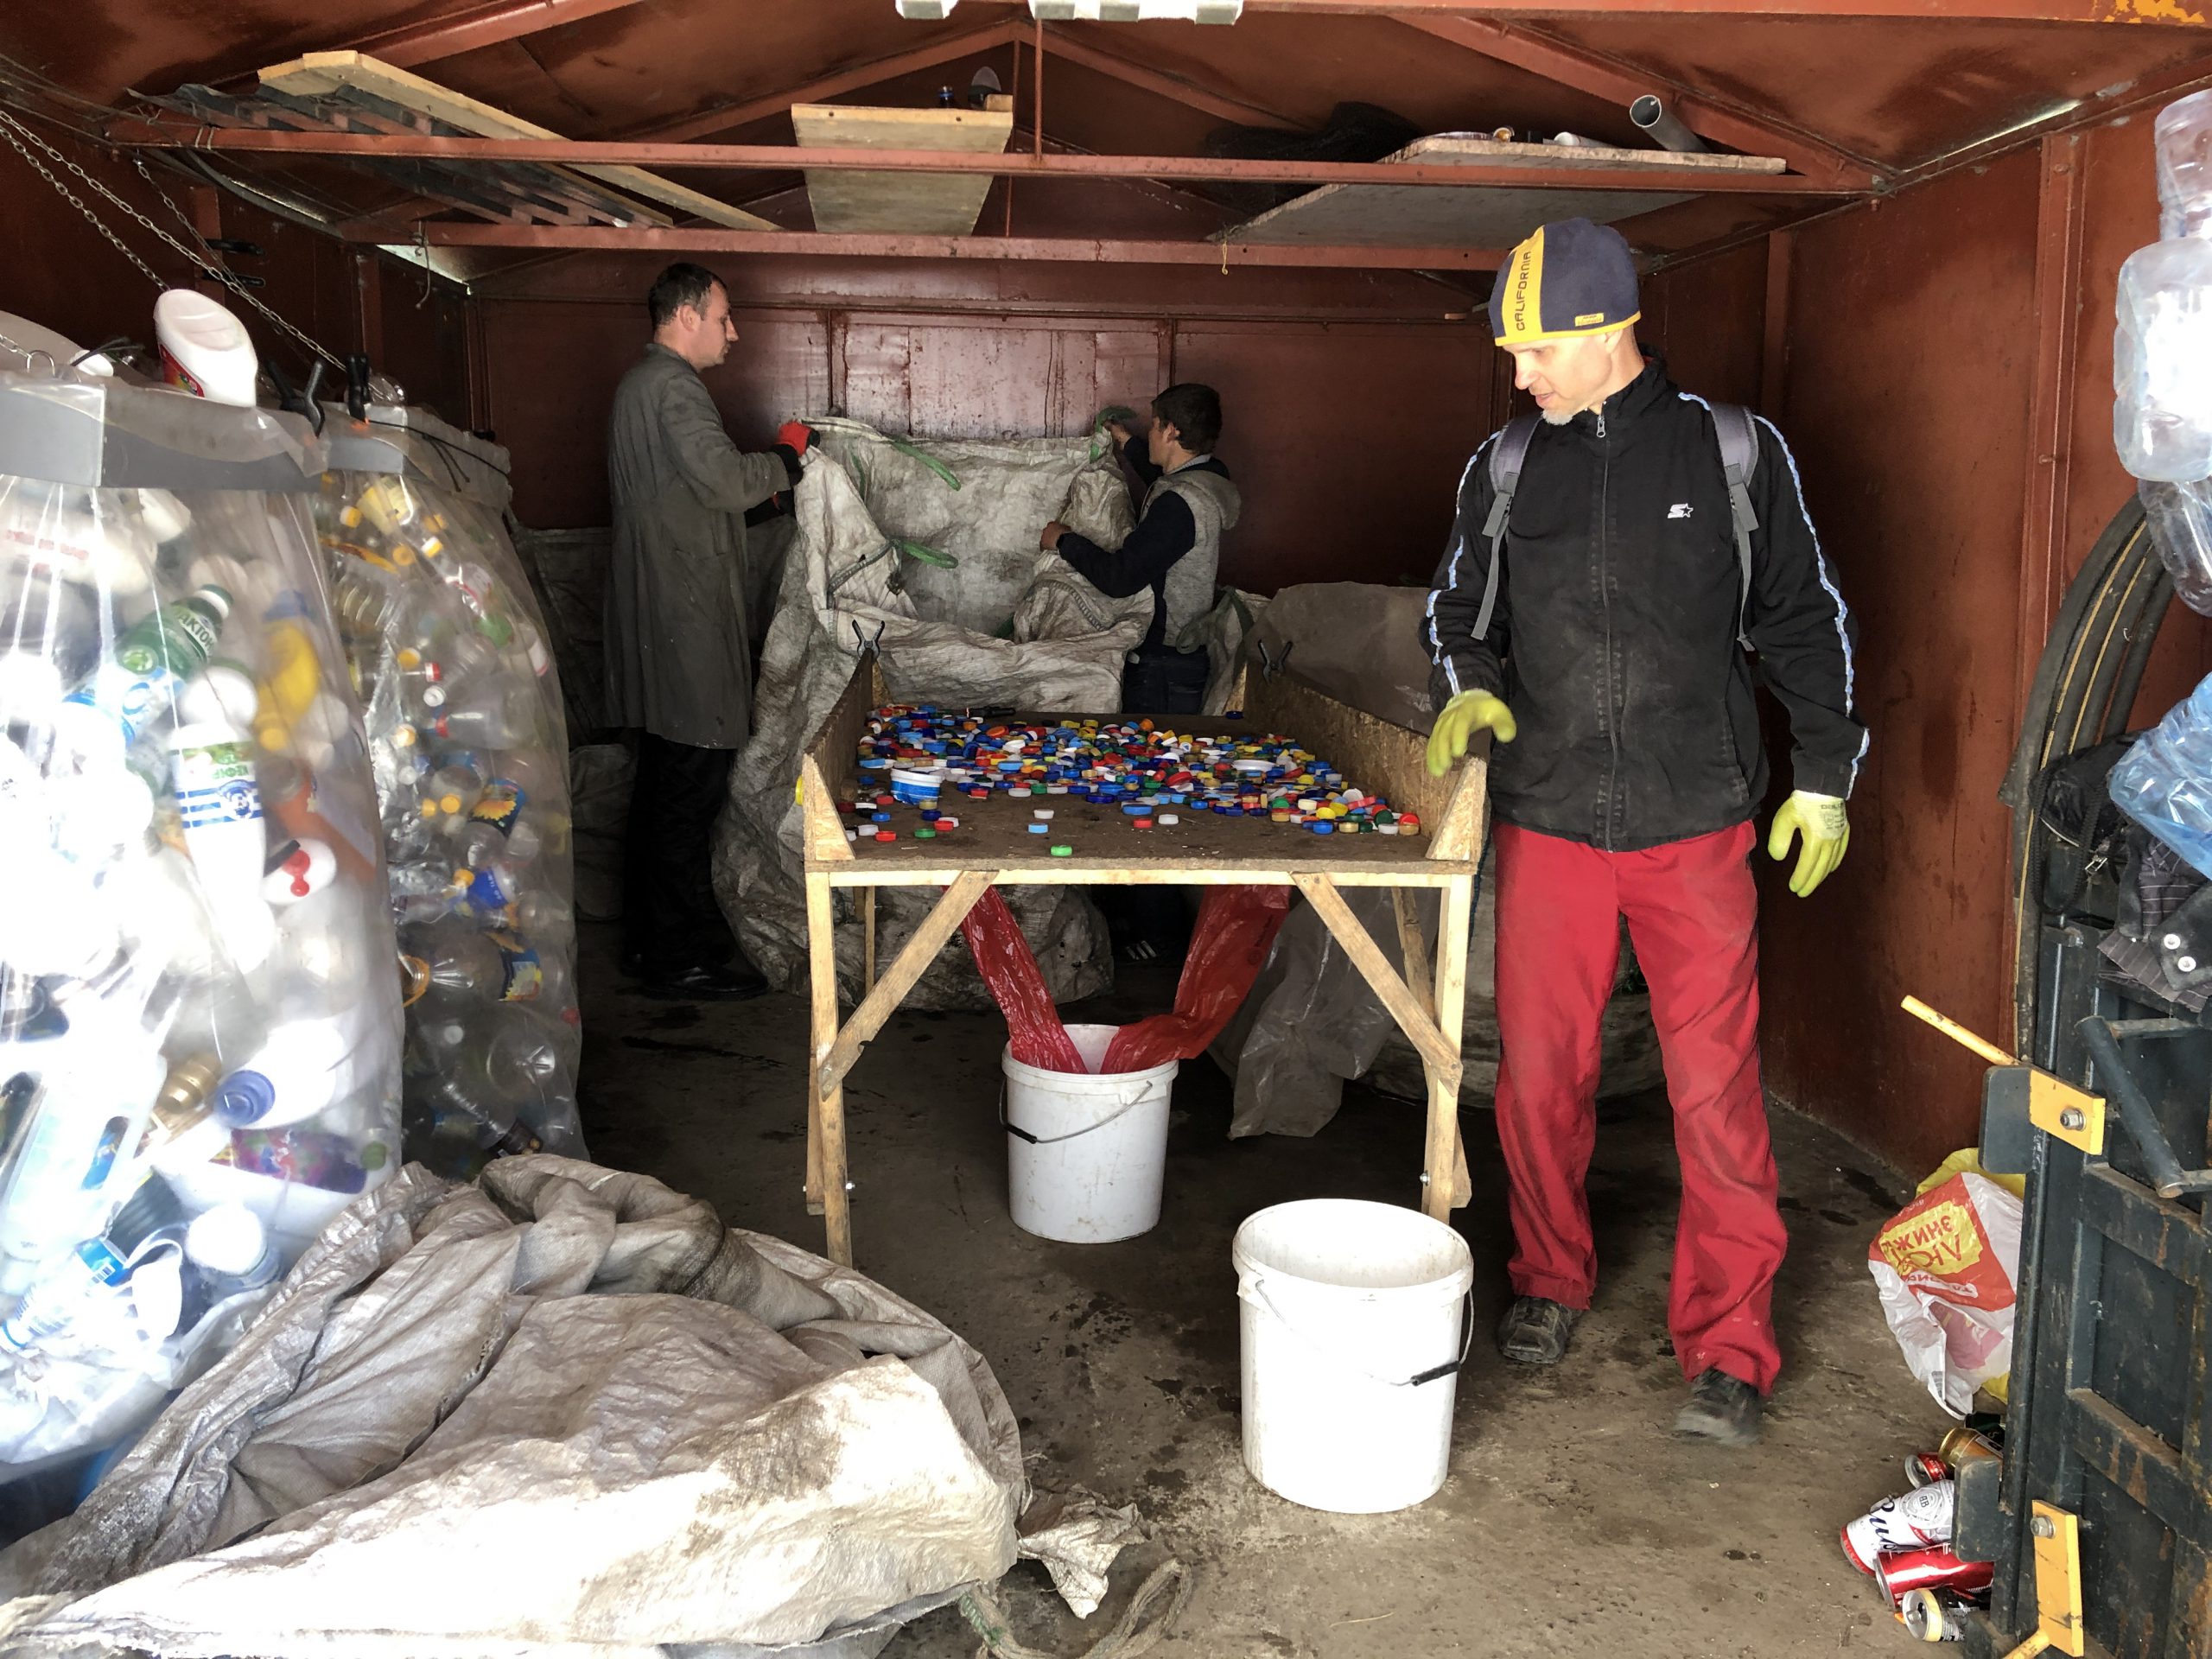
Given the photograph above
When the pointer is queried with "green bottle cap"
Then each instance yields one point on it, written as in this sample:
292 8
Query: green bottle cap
1063 852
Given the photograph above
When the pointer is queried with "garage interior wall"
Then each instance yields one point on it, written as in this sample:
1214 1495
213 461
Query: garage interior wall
1898 345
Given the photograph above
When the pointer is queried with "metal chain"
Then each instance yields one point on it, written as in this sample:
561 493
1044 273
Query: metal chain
10 130
15 132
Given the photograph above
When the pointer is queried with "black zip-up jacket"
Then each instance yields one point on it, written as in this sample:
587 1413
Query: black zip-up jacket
1614 637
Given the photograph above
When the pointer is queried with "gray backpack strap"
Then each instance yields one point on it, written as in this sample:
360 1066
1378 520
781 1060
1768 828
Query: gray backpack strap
1506 456
1739 459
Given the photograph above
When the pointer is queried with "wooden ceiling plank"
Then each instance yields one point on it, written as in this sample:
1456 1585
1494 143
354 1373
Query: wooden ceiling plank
835 84
327 71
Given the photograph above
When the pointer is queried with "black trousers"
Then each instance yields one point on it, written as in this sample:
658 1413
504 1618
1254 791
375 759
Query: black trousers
1165 681
668 914
1162 681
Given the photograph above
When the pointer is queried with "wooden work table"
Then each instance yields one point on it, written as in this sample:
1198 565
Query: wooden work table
993 847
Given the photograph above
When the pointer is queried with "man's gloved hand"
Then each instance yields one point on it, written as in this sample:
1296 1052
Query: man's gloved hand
1819 820
797 434
1466 714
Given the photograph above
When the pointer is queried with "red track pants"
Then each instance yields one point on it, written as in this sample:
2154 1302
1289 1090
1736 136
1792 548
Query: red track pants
1693 915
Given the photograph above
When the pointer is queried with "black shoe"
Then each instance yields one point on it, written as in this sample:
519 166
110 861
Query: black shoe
1535 1331
1722 1408
732 984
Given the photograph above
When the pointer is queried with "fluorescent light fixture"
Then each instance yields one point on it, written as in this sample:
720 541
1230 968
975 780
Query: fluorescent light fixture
1096 11
1135 11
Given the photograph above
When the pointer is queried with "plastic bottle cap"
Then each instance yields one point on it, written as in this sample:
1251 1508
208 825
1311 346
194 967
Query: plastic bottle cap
1063 852
227 1239
243 1099
1040 829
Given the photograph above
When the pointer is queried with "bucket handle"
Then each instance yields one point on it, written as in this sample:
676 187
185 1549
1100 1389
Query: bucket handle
1253 1288
1021 1133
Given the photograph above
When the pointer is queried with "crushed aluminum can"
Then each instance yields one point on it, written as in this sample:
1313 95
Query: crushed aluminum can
1900 1573
1914 1520
1929 1616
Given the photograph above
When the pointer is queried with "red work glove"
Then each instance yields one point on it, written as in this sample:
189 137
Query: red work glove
797 434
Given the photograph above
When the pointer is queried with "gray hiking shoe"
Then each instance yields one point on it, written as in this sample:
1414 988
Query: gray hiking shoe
1535 1331
1722 1409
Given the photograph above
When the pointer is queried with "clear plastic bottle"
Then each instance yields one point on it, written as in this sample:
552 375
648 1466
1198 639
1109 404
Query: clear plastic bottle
497 715
2162 362
134 691
2164 782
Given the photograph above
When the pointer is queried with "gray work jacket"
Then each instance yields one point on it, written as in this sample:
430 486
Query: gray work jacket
678 662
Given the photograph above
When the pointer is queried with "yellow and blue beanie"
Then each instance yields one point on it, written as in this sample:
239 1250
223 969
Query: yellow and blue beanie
1570 278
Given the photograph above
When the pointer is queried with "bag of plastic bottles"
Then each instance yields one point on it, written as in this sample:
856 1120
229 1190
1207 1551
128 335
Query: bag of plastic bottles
199 1020
465 719
2164 782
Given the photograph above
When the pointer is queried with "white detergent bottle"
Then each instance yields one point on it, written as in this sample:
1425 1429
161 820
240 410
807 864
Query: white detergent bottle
309 1063
205 350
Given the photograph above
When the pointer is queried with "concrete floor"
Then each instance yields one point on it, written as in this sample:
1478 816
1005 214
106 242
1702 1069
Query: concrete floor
1573 1522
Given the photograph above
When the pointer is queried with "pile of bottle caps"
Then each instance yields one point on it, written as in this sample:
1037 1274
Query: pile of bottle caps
916 756
1904 1543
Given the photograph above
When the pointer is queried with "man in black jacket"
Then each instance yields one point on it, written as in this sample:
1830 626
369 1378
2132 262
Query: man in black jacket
1628 770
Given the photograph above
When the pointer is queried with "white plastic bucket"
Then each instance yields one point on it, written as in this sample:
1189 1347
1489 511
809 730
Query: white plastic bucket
1085 1154
1354 1327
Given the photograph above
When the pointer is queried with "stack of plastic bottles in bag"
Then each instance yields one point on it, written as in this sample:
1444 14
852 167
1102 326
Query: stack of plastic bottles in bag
200 1022
2162 424
465 719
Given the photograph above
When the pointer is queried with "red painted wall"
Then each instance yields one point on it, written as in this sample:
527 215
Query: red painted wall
1346 434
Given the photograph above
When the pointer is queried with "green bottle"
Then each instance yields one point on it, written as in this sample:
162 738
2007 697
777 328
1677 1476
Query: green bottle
179 637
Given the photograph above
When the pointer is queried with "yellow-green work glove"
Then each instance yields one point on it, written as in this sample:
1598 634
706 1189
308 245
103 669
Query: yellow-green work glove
1466 714
1819 820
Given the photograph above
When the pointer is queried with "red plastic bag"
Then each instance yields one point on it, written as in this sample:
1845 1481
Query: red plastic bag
1009 968
1236 929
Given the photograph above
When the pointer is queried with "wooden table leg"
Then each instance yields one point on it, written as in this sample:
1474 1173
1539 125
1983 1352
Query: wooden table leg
826 1111
1415 950
867 936
1445 1163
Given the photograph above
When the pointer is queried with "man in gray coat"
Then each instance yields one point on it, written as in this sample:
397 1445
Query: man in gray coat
679 667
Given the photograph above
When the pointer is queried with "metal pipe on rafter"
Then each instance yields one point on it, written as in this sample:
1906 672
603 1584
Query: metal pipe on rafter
1651 117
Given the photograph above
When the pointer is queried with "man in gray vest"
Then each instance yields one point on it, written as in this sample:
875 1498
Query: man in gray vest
1174 550
679 667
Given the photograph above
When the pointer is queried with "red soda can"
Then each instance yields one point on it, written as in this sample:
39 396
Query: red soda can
1930 1569
1925 1469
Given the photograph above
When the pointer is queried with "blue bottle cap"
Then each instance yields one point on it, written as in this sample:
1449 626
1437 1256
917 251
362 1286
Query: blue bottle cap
243 1099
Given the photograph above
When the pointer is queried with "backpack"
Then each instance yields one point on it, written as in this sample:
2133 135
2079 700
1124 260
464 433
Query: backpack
1739 459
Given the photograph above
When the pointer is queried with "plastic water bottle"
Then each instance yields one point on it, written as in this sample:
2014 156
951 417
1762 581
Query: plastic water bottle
218 803
135 690
497 827
2162 362
450 793
91 1110
497 715
60 1296
488 1081
2164 782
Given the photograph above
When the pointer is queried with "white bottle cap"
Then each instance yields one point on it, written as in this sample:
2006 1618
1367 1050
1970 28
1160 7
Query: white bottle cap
228 1239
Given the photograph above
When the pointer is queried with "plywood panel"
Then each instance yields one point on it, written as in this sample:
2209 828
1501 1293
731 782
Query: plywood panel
1908 388
319 73
937 204
1382 215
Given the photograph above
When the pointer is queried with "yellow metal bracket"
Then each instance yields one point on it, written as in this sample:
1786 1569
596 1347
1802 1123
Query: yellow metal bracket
2055 1106
2058 1585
